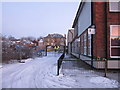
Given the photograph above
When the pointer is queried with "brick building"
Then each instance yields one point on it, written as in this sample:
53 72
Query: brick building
70 37
104 19
41 45
53 41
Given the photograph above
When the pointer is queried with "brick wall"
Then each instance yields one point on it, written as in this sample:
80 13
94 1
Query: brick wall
99 19
102 18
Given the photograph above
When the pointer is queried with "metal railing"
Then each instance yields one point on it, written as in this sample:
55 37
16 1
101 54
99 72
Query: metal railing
102 64
59 62
98 66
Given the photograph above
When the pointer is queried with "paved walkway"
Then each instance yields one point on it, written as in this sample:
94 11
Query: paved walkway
74 64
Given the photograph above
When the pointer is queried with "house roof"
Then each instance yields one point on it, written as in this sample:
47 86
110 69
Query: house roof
55 36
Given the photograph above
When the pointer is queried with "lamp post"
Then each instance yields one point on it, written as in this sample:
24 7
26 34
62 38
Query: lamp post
91 31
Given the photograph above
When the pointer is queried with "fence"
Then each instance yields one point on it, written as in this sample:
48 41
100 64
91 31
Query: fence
99 66
59 62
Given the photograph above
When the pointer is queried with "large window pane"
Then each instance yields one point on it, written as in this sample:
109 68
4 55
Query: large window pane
115 41
115 30
85 44
89 51
89 43
82 45
115 51
85 51
114 6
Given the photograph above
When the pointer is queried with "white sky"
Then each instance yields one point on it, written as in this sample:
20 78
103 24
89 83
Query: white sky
37 18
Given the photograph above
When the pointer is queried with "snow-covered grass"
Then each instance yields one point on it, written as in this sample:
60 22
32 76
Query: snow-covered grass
102 80
88 79
41 73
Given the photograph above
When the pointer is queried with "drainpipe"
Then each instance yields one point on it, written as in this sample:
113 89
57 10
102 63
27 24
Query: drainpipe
92 34
106 62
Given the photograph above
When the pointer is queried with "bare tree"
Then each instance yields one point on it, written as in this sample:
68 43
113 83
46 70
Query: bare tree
18 49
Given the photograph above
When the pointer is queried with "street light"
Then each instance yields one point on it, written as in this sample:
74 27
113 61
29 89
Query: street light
91 31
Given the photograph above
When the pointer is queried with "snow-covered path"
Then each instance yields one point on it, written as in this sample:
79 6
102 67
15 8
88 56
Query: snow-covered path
41 73
30 74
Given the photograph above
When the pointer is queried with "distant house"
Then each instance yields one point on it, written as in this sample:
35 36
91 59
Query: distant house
54 40
41 45
104 19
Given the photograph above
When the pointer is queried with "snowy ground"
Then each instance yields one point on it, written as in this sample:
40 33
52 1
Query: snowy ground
41 73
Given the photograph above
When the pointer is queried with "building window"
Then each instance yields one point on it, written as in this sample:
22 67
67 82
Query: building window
73 47
114 6
85 44
89 45
82 45
77 45
114 41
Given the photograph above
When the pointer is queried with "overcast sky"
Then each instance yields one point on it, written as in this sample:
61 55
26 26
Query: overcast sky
22 19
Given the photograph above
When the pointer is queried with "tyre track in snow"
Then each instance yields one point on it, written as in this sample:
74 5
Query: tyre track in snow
19 77
27 75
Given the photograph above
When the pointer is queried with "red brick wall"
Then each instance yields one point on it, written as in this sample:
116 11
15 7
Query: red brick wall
99 41
102 18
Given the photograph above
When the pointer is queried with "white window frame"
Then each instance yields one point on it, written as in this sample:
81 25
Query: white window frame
82 42
110 9
110 42
89 38
85 46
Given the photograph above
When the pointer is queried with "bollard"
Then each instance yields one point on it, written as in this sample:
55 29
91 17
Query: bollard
57 67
